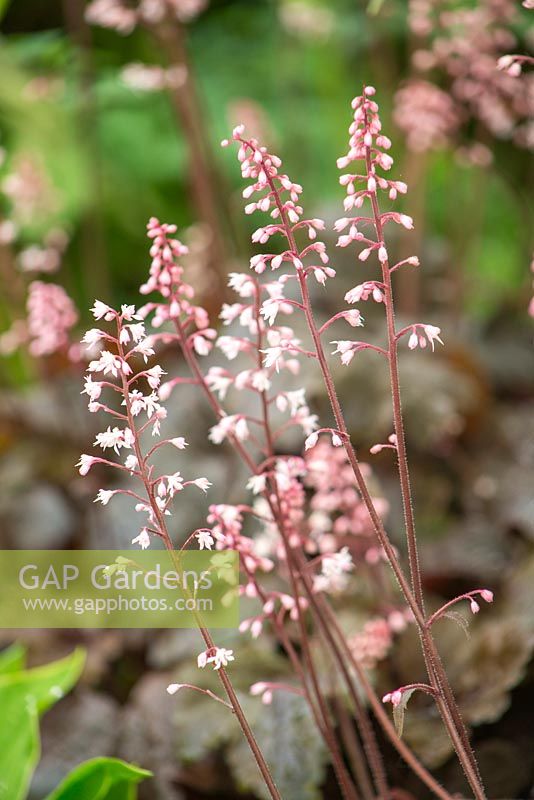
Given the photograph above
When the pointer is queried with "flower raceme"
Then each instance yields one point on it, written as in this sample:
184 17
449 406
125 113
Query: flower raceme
315 542
271 191
122 373
265 349
51 316
275 193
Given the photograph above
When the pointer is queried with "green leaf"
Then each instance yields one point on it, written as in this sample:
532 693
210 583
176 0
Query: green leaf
13 658
101 779
45 685
19 744
24 695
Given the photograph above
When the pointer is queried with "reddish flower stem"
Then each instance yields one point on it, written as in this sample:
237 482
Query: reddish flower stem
324 615
343 777
163 532
438 677
444 696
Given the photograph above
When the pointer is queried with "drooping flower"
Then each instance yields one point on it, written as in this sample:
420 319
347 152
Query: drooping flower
143 539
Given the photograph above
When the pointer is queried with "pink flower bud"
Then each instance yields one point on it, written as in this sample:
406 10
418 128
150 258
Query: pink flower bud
396 698
413 340
475 608
487 595
311 441
268 607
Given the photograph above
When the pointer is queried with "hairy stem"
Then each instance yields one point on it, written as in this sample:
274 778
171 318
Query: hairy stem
444 697
223 676
325 616
343 777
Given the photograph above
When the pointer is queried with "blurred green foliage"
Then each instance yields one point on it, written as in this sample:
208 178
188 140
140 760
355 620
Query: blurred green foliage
25 695
115 155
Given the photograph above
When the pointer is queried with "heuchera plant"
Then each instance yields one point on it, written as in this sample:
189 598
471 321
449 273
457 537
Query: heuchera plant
319 521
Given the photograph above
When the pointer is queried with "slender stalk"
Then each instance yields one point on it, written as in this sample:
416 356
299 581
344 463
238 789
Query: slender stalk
285 641
223 676
344 780
437 676
338 641
346 785
331 624
404 475
437 673
354 749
